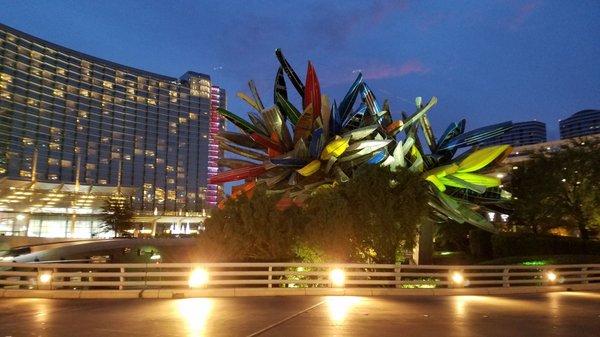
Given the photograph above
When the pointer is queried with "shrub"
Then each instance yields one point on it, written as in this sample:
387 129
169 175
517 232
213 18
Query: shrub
506 245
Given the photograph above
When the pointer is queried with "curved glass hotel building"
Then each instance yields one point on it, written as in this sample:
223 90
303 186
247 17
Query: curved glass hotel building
76 129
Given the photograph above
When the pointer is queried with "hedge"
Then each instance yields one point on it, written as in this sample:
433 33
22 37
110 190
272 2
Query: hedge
506 245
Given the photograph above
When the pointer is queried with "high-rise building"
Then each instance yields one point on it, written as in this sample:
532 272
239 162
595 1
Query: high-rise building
582 123
217 123
522 133
69 120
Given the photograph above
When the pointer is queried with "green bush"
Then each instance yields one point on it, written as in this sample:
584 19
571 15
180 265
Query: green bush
506 245
480 244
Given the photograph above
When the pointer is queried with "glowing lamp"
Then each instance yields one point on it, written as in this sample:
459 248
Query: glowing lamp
551 276
457 278
198 278
337 278
45 277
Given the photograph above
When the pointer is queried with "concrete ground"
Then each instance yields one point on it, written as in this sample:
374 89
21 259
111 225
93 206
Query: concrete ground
549 314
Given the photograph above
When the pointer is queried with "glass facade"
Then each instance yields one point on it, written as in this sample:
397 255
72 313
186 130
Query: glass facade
523 133
67 117
217 123
582 123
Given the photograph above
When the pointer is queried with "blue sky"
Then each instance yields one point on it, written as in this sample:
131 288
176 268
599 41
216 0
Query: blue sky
487 61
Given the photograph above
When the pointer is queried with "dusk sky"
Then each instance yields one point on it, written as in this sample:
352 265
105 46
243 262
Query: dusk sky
487 61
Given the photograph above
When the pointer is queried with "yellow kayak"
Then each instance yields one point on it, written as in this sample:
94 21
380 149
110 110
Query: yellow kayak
310 168
335 148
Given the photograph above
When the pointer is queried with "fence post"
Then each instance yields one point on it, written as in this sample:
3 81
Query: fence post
397 271
505 278
121 278
54 270
584 275
270 276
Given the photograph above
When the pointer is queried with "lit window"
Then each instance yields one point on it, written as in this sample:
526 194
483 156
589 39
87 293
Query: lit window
25 173
5 77
65 163
159 194
61 71
182 120
54 146
90 167
151 101
149 153
107 84
59 93
171 195
84 92
102 181
27 141
193 116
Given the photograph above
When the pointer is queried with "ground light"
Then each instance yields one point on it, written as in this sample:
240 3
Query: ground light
45 277
551 276
198 278
457 278
337 277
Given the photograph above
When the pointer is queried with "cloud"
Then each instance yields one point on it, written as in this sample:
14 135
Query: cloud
413 66
522 13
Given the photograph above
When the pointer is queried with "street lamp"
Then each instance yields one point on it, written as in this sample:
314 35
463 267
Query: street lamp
45 277
551 276
198 278
457 278
337 278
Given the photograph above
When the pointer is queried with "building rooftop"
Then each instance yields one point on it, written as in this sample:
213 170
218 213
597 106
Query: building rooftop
91 58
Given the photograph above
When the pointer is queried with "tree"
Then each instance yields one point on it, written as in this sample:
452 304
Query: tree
330 233
117 215
559 189
252 229
373 216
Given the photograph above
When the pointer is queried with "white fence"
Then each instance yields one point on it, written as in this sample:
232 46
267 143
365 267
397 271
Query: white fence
141 276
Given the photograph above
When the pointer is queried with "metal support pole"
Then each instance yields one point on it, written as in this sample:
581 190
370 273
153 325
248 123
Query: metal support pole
270 276
505 277
121 278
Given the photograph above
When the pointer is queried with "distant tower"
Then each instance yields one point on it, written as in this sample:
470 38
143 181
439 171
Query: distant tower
582 123
522 133
216 123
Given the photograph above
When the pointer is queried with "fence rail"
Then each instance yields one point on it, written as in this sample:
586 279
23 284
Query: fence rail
140 276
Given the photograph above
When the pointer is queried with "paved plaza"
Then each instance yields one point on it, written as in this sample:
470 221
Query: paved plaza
551 314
